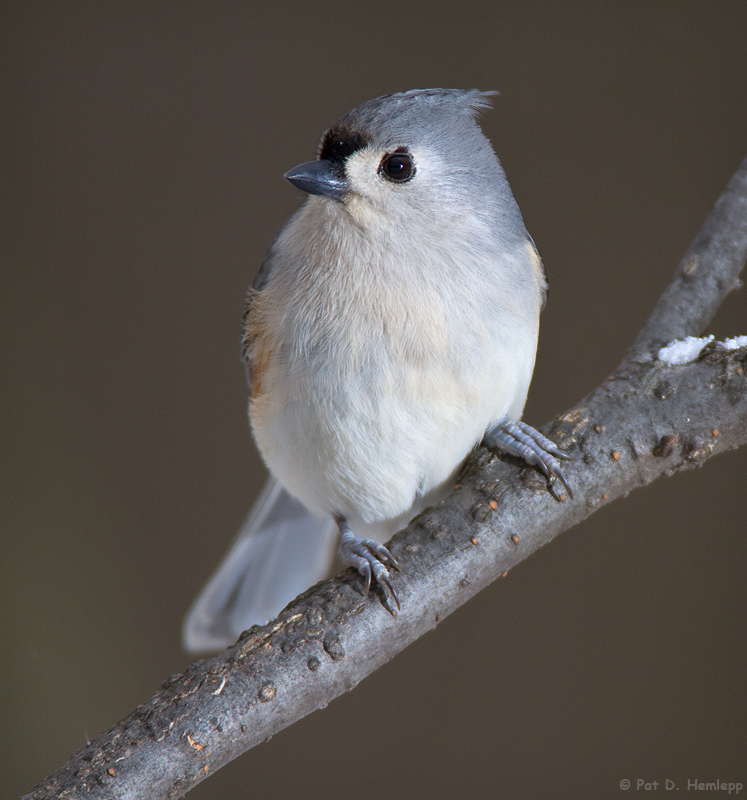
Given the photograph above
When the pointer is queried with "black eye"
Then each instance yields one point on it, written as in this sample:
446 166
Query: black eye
397 167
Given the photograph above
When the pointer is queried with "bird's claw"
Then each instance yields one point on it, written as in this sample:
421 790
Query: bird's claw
372 560
523 441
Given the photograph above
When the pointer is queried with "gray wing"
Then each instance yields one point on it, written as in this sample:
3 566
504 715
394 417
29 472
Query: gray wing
279 552
259 284
540 267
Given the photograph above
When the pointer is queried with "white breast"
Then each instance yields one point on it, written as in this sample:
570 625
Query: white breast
386 358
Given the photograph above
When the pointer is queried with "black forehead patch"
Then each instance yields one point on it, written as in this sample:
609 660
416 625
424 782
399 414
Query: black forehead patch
339 143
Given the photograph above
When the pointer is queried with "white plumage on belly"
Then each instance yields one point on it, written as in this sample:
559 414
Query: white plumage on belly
385 378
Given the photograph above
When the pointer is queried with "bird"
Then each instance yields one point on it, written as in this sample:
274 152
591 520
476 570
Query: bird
391 329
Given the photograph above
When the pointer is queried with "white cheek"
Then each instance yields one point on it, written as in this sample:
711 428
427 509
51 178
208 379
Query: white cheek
362 170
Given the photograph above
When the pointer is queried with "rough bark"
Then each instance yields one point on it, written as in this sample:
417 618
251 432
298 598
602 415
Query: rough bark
646 420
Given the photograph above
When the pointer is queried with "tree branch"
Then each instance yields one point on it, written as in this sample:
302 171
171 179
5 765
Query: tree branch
644 421
707 273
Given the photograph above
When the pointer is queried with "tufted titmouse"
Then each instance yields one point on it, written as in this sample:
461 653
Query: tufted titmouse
392 327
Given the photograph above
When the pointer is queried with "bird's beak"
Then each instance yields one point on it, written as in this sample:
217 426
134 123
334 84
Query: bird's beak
319 177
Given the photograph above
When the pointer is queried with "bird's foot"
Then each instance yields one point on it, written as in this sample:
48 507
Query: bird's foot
371 559
523 441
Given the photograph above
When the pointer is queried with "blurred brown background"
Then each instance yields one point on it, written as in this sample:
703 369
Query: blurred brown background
142 159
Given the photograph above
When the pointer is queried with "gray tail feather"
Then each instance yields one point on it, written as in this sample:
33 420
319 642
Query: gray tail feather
279 552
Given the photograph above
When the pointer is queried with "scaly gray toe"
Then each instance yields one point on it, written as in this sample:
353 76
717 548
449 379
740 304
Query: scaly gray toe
523 441
372 560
